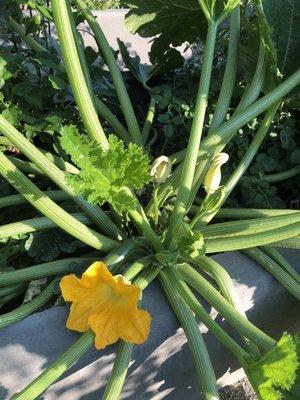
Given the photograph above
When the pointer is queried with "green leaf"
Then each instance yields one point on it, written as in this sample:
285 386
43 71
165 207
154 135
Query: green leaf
32 24
45 11
57 82
91 55
218 9
106 176
295 156
142 72
48 245
276 370
12 114
280 24
294 392
170 23
46 59
191 244
8 67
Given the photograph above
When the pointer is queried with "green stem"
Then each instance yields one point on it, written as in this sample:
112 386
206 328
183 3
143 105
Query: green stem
208 321
137 267
25 166
112 120
217 245
290 243
118 256
149 120
281 176
229 213
5 291
196 343
250 95
228 130
229 74
55 370
190 159
26 309
156 205
249 226
43 270
117 378
46 206
232 316
63 363
62 14
274 269
18 199
101 108
119 84
145 228
243 165
58 177
280 260
6 299
226 286
252 92
36 224
252 150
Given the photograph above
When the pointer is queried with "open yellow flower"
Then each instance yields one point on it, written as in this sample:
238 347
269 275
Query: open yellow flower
107 304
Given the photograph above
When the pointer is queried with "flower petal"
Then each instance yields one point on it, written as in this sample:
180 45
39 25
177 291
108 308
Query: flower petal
135 327
104 325
78 318
72 289
95 274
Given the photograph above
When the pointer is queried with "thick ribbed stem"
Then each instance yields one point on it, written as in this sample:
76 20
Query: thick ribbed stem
46 206
196 343
275 269
119 84
229 74
239 242
62 14
57 176
232 316
28 308
190 160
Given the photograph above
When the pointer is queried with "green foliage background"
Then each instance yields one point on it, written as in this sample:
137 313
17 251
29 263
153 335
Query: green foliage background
105 4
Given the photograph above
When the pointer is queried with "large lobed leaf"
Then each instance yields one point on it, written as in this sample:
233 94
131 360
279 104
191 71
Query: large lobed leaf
172 23
106 176
275 373
280 26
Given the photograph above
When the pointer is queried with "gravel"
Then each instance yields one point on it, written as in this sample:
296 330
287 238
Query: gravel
242 390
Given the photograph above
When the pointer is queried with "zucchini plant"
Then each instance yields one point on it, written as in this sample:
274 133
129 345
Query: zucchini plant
166 232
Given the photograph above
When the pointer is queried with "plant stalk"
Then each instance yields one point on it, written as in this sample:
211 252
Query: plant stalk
196 343
62 14
119 84
46 206
190 159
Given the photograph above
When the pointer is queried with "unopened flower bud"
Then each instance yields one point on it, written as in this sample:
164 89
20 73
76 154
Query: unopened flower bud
213 177
161 169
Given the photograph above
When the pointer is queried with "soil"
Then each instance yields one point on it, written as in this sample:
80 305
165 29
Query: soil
242 390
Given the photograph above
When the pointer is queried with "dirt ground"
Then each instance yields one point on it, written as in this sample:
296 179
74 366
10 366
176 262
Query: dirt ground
240 391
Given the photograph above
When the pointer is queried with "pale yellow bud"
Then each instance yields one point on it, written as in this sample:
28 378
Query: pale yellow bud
161 169
213 177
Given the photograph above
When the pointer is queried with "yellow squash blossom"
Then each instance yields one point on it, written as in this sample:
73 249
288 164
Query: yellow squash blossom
106 304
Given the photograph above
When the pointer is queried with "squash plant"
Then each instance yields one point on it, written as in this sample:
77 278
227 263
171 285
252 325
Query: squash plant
169 236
